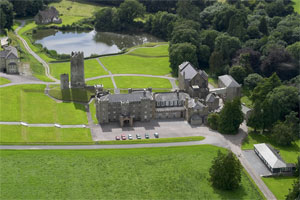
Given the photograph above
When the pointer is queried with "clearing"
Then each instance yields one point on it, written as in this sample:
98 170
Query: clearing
149 173
28 103
17 134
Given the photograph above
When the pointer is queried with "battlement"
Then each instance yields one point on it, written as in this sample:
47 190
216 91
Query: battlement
78 54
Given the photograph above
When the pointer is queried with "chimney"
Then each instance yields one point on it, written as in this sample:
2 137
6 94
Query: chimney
150 89
129 90
144 92
177 91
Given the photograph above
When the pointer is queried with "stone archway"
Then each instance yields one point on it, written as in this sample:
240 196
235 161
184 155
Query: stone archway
126 120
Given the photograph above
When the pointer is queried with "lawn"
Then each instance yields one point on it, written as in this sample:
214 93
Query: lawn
128 64
213 81
279 185
4 81
107 83
74 94
16 134
247 101
91 69
149 141
157 51
141 82
28 103
296 6
72 11
149 173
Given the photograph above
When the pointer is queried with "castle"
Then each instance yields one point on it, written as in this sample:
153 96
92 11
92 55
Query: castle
194 101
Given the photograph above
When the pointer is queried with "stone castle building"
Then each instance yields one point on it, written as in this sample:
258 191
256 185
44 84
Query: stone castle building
194 82
77 73
9 60
192 102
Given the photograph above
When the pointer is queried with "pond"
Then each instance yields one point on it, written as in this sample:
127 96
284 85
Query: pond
91 42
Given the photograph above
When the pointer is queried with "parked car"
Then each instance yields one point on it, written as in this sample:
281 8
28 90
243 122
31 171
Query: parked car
147 136
130 137
138 136
117 137
156 135
123 137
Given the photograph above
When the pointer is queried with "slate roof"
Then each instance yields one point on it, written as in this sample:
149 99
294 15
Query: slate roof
171 96
270 156
48 13
228 81
190 71
195 104
132 97
210 98
9 52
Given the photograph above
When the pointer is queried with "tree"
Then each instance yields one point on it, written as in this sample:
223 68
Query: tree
186 9
252 80
227 46
238 24
213 120
185 35
238 73
282 134
208 37
225 172
129 10
6 15
248 58
203 53
231 117
180 52
281 62
104 19
263 27
294 193
294 50
216 64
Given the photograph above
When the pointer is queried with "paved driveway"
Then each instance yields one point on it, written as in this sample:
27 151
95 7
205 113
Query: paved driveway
256 163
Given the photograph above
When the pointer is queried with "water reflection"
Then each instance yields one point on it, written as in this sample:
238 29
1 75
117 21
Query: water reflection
91 42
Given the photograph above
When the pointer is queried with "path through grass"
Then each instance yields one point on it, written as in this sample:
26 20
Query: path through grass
150 173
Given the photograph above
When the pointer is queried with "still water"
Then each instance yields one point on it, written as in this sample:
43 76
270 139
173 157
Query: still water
91 42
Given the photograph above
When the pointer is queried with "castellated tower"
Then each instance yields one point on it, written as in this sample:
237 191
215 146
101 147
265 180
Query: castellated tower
77 70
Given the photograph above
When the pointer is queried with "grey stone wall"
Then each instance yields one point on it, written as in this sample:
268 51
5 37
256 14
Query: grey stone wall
64 81
77 70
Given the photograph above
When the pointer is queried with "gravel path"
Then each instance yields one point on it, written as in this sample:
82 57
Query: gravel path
44 125
44 63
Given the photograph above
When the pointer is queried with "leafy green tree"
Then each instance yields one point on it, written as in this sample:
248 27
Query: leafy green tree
222 17
249 59
252 80
186 9
208 37
225 172
227 45
181 52
253 32
213 120
238 24
282 134
294 50
216 64
104 19
294 193
6 15
238 73
231 117
263 27
129 10
203 53
185 35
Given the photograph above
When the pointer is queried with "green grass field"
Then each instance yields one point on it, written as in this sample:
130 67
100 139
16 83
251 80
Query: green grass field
279 185
296 6
128 64
4 81
158 51
72 11
107 83
141 82
28 103
14 134
91 69
150 173
74 94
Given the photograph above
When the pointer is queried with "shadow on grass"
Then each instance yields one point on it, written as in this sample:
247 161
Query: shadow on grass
231 194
